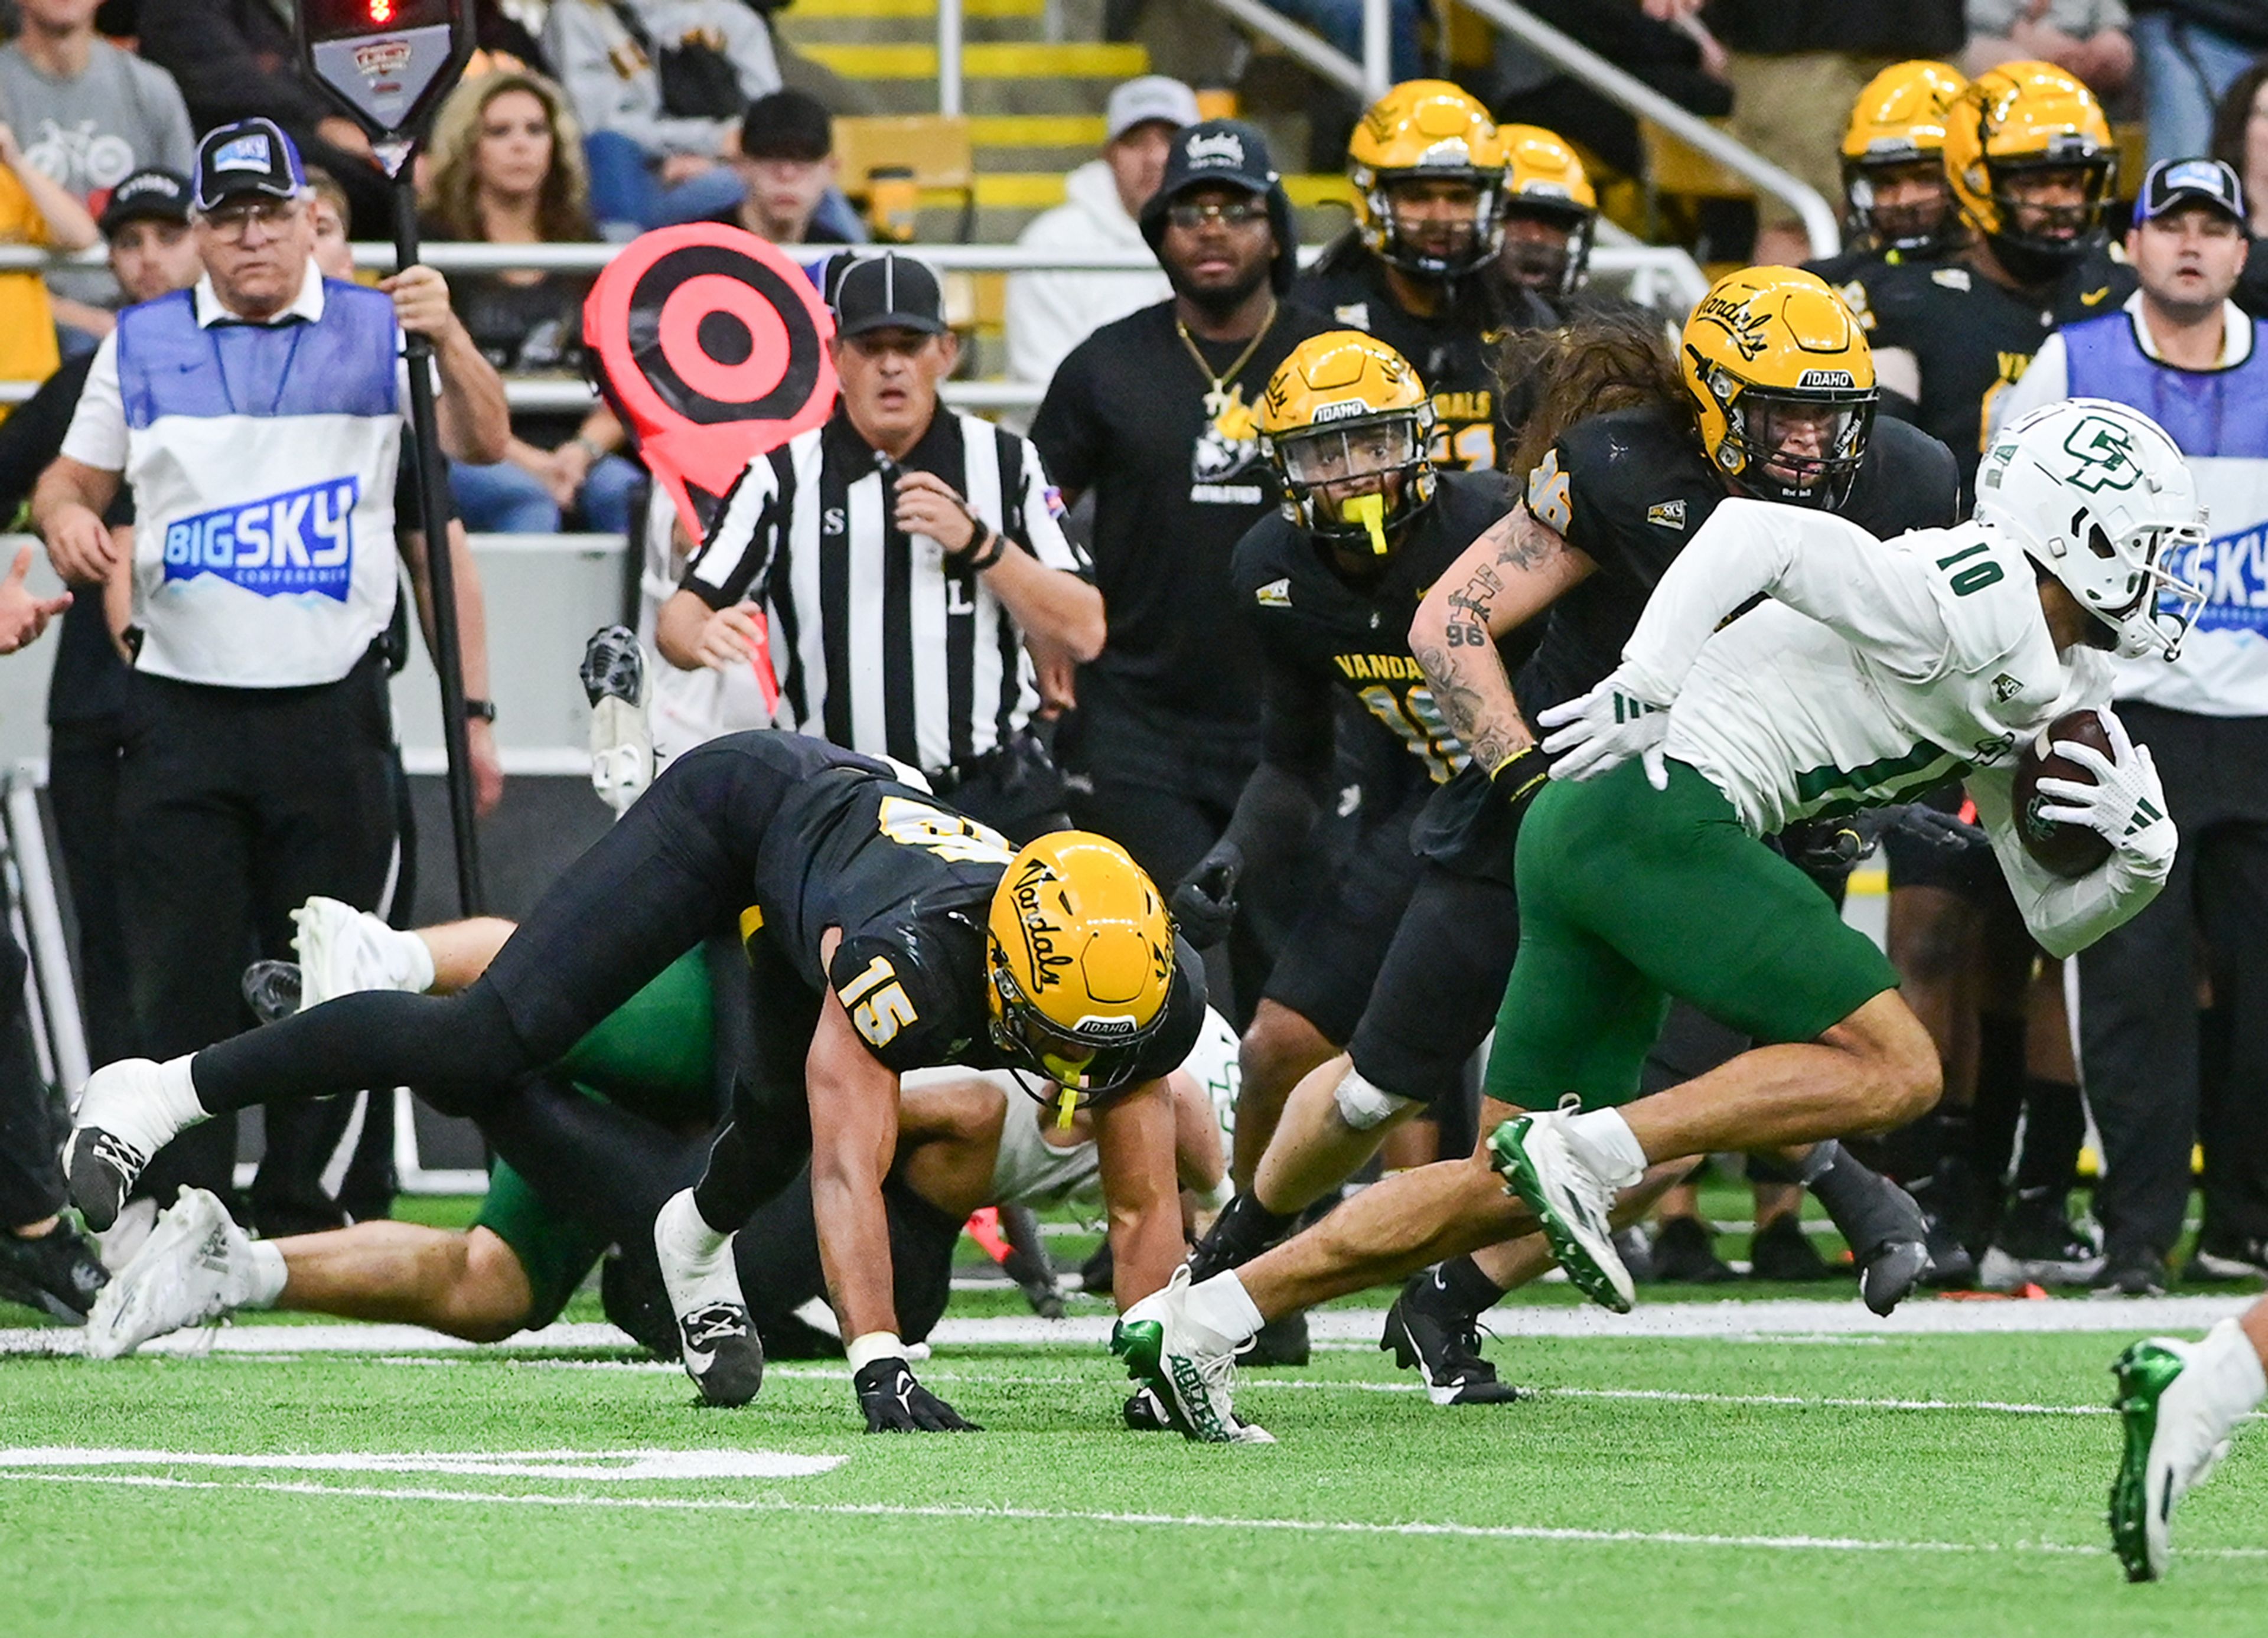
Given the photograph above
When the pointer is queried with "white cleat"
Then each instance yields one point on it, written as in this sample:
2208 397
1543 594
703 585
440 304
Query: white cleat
1195 1385
1547 1166
195 1267
717 1341
343 950
128 1110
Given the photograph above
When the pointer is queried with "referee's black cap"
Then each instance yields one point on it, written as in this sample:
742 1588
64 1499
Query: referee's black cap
1226 153
888 292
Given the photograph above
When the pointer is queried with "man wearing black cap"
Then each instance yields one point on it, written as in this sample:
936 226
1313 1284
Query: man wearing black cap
2185 354
1154 413
146 226
787 164
905 555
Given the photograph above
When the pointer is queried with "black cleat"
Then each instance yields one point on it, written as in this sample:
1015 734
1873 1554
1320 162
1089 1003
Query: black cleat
1425 1333
613 666
1949 1266
2036 1244
1782 1251
1244 1229
1144 1413
2139 1272
271 989
1891 1238
58 1273
1684 1255
718 1347
100 1169
1280 1343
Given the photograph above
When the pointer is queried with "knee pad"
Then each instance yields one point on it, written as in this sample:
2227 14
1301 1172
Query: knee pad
1364 1106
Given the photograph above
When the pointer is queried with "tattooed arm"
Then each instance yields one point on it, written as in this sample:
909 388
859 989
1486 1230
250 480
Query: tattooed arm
1506 578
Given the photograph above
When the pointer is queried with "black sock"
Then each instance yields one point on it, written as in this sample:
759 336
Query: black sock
1999 1097
461 1051
1244 1229
2055 1126
1459 1284
599 1162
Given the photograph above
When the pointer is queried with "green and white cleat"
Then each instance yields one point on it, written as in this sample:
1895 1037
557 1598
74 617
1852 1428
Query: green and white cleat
1540 1161
2172 1443
1194 1385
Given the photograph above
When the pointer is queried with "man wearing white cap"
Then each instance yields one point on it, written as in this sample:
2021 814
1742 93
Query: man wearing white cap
1049 314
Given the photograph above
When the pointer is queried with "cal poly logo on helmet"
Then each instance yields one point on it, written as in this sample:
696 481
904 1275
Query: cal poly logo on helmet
2105 452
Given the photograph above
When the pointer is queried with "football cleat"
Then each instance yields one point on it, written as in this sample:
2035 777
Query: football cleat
717 1342
614 675
2170 1445
2036 1244
2138 1272
1193 1386
1424 1332
271 989
57 1272
125 1115
1243 1231
1282 1342
343 950
1782 1251
1145 1413
1684 1252
195 1267
1889 1236
1542 1162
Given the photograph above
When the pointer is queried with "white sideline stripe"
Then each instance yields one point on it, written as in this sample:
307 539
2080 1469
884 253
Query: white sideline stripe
1729 1321
599 1464
1185 1521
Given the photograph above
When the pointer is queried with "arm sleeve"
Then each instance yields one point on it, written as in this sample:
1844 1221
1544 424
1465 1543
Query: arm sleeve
1067 432
98 429
2045 380
1815 562
2064 915
734 561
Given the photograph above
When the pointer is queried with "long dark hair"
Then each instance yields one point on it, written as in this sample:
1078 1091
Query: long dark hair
1604 358
2234 113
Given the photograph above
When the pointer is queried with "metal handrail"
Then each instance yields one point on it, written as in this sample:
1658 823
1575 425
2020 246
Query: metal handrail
948 58
1309 47
1634 96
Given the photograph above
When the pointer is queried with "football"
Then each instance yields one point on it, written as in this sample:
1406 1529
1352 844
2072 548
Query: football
2067 849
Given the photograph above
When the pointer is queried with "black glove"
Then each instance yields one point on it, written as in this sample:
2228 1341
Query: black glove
1205 904
1833 845
895 1403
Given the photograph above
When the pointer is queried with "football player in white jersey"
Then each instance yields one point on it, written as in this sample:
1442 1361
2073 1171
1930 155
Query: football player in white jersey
1868 673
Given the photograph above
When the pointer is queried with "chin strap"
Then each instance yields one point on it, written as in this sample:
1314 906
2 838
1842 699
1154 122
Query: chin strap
1369 511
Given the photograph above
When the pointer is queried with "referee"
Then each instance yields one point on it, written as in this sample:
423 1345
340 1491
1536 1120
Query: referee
258 419
906 555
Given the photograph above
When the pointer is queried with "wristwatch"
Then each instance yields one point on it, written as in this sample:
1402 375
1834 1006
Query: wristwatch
481 710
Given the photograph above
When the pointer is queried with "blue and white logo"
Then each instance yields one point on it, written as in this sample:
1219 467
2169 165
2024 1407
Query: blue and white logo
2232 572
301 540
243 153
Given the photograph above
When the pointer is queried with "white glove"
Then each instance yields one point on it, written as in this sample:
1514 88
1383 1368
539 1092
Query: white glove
1604 729
2125 804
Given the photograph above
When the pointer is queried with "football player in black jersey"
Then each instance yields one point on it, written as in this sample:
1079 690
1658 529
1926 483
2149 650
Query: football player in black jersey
1328 588
1551 214
2030 157
884 933
1772 397
1896 202
1428 168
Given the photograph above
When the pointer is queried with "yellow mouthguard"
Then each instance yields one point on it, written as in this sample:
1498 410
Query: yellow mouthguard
1369 511
1067 1107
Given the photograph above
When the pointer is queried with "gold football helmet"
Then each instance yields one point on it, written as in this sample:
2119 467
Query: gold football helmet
2028 120
1081 958
1346 413
1783 385
1427 131
1898 124
1544 183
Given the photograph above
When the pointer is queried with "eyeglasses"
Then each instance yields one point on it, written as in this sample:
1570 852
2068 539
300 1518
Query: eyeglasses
230 221
1236 214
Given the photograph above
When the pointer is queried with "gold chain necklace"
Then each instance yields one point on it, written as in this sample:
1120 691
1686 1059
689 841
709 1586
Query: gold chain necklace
1216 398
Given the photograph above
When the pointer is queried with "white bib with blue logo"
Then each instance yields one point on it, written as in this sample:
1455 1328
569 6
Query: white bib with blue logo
262 460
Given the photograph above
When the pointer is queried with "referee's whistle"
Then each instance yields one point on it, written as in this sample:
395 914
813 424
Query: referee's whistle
1369 511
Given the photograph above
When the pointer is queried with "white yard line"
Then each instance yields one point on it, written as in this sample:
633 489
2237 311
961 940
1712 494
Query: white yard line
1176 1521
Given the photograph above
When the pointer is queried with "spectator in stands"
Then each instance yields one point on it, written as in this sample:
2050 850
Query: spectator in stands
1049 314
1340 22
787 166
2190 51
2086 39
237 60
508 170
2240 141
1660 45
33 210
146 225
659 86
88 115
1795 66
2185 354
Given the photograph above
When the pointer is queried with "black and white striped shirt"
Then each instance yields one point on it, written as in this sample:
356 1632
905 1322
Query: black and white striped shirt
880 645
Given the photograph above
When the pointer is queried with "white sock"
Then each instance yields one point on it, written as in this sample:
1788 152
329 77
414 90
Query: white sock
1221 1313
2226 1371
1609 1145
176 1092
268 1274
679 1227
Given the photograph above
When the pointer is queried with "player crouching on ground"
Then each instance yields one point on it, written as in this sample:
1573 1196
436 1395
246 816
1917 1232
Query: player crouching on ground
1871 672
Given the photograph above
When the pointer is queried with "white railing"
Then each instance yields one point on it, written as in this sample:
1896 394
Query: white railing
1636 97
949 73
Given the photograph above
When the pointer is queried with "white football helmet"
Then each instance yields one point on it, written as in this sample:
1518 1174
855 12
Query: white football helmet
2099 495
